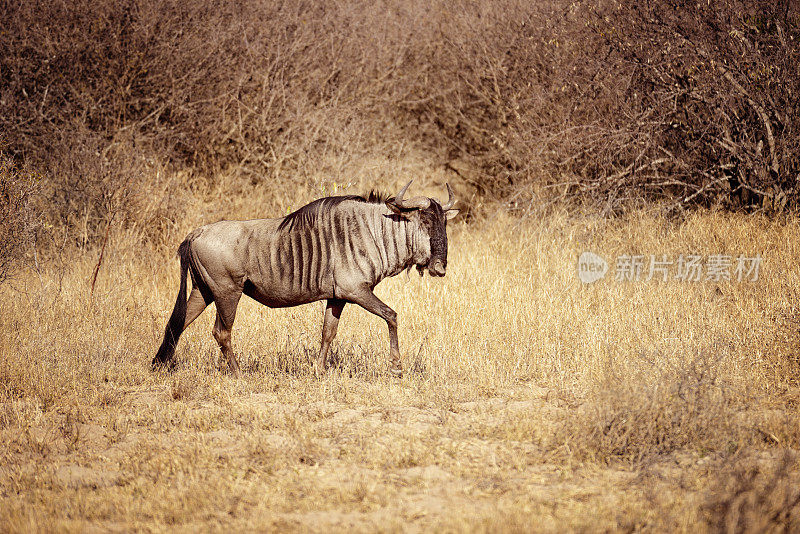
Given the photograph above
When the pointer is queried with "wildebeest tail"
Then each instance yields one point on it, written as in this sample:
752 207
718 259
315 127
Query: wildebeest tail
176 321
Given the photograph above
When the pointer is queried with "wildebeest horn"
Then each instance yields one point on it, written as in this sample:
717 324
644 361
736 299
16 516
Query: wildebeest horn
414 203
451 199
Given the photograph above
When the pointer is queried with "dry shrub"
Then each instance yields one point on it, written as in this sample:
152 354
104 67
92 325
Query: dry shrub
18 215
93 185
100 95
705 107
523 100
265 87
654 407
753 497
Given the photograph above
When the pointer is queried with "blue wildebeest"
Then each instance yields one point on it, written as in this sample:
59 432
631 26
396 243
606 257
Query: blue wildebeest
335 249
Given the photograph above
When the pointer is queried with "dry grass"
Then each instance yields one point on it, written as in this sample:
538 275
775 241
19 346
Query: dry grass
533 402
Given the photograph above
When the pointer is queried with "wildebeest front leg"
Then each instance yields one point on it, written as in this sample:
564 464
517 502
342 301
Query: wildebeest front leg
367 300
333 311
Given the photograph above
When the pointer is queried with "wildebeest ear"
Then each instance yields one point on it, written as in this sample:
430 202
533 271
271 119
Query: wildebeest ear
450 213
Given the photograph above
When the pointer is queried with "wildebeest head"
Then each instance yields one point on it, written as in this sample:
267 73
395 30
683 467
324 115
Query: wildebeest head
430 218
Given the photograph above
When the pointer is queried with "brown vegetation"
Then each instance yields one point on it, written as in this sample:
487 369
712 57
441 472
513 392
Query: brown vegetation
709 98
605 101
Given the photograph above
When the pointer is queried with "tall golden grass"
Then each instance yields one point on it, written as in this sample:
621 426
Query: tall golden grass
532 401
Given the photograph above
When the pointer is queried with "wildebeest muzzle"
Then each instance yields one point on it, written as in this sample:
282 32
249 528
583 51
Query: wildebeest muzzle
437 267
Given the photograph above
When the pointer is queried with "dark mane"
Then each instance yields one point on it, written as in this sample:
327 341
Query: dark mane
376 197
306 215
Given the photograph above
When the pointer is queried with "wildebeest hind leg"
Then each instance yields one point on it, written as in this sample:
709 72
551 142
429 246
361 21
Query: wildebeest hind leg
333 311
194 307
226 312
